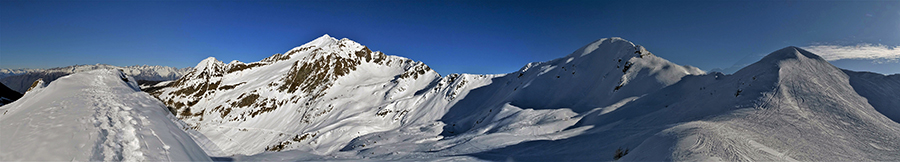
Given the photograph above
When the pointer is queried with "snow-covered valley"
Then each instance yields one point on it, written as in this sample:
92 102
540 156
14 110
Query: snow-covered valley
335 99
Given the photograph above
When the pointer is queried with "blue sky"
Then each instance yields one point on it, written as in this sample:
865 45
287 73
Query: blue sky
449 36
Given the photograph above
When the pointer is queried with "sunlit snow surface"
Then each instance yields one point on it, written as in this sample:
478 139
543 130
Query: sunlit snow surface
609 95
97 115
789 106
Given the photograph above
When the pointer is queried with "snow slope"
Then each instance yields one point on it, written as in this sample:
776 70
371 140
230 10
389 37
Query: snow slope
20 79
94 115
335 99
315 97
882 91
792 105
371 97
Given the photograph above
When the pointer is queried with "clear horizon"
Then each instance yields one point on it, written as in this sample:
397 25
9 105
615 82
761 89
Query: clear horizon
449 36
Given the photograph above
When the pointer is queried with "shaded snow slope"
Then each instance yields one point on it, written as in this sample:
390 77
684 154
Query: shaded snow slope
97 115
882 91
20 79
8 95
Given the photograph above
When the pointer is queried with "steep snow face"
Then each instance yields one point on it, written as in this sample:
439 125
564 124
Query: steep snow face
315 97
20 79
97 115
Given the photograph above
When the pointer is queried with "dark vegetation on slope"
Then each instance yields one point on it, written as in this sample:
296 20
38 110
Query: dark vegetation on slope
620 153
283 145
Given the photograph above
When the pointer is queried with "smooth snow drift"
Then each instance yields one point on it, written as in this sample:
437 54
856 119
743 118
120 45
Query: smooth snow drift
97 115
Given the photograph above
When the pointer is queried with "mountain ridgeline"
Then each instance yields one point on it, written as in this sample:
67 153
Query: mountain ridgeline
20 80
337 99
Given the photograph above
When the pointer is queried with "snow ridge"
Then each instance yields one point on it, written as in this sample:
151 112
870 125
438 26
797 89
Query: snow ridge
93 115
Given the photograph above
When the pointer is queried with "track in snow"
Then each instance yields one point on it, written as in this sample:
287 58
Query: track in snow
118 136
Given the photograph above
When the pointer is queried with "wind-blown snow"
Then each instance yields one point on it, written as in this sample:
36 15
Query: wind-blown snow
97 115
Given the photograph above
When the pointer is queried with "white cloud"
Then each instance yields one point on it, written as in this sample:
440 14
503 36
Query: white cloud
880 53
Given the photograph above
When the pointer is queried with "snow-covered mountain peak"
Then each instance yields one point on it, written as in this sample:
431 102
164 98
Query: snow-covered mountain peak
208 67
787 53
208 62
616 54
788 57
610 43
321 41
303 82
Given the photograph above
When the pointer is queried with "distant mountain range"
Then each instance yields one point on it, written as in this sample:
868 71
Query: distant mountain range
335 99
20 79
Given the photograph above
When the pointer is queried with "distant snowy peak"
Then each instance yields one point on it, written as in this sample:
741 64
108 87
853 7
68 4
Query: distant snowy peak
10 72
604 69
321 41
142 72
774 59
208 67
788 62
209 64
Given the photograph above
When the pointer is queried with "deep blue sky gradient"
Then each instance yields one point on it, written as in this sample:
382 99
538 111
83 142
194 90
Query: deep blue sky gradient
449 36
